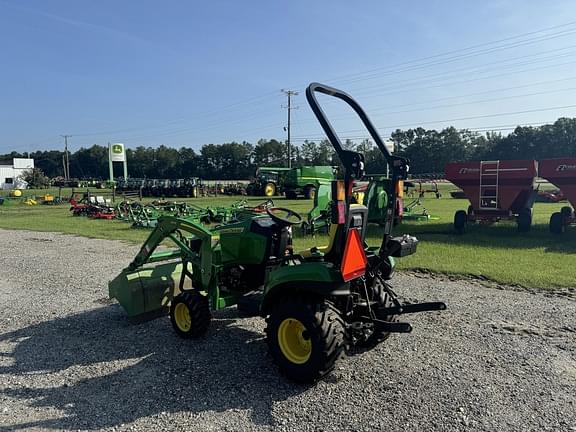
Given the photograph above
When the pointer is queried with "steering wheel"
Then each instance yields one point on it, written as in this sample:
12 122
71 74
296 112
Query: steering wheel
284 216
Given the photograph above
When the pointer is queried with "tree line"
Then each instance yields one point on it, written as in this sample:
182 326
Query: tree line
428 150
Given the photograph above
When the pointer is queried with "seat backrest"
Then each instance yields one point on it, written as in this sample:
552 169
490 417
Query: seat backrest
358 218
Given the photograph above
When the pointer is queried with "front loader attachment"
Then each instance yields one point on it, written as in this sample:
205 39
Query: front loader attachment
146 287
146 293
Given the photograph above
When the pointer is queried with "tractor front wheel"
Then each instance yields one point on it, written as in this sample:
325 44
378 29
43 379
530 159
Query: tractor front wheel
190 314
305 339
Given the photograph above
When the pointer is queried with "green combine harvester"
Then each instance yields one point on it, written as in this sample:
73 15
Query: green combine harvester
304 180
317 302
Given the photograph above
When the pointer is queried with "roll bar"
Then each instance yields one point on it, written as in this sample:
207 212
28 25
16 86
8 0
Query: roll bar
321 116
354 162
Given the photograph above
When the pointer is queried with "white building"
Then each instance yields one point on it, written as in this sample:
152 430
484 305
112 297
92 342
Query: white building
10 174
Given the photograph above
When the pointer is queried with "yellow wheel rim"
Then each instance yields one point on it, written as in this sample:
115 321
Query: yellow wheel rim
182 317
294 342
269 190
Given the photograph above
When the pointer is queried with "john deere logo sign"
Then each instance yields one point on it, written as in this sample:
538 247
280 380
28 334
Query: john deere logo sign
117 153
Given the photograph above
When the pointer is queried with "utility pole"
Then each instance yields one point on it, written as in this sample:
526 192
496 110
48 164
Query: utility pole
289 93
66 160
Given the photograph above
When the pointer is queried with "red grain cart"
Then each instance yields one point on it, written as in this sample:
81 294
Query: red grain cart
496 190
562 174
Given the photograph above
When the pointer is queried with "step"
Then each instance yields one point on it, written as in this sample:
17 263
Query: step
249 303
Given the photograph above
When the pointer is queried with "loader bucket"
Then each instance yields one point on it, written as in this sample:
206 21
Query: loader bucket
146 293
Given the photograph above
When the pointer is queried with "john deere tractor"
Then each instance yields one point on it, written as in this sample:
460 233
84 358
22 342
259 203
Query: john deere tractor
318 303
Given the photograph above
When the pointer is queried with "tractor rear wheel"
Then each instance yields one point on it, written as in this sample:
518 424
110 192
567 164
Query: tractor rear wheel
190 314
305 339
557 223
525 220
270 189
460 221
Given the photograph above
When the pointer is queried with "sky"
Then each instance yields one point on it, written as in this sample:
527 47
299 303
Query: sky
183 73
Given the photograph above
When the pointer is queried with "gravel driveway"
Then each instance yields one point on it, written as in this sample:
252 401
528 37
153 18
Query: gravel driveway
497 359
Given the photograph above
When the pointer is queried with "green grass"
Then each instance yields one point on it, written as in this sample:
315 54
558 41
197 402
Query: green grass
497 252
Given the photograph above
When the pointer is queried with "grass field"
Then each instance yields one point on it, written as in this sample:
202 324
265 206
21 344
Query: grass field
498 252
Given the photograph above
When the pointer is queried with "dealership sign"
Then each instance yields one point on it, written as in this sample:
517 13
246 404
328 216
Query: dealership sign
117 153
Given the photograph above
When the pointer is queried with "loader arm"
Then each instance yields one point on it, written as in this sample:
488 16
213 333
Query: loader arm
170 227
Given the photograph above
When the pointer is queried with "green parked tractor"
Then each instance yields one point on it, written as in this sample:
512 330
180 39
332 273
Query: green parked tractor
318 303
268 181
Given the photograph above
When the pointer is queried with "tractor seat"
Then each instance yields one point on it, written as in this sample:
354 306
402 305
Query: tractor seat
316 252
357 218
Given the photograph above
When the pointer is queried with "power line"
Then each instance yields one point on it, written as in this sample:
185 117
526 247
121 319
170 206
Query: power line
497 128
497 90
462 57
473 102
242 119
399 86
180 120
462 118
341 78
388 70
486 116
523 39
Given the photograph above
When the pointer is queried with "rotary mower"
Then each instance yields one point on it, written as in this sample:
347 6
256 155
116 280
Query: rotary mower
318 303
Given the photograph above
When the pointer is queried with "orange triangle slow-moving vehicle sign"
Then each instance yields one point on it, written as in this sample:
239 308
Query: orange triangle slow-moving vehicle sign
354 261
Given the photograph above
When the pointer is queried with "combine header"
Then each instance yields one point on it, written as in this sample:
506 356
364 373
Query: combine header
562 174
496 190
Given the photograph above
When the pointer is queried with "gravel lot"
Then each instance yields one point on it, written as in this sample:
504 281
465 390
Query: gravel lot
497 359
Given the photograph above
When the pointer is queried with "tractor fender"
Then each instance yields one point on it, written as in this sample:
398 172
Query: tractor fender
316 278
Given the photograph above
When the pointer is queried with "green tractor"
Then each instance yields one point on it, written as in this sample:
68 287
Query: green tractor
318 303
267 182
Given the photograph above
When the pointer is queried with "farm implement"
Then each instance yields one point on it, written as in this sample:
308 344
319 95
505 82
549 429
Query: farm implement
423 187
497 190
94 207
562 174
147 215
318 302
